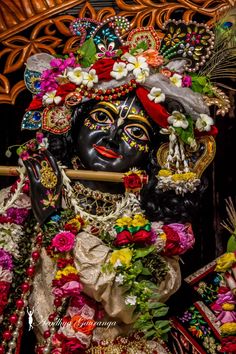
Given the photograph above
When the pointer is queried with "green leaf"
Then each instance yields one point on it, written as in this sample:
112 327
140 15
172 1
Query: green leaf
137 267
150 334
140 47
162 311
143 252
163 325
155 305
88 53
187 133
146 271
231 245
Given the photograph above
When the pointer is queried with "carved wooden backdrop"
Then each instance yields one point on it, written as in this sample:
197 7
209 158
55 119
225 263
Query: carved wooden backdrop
47 22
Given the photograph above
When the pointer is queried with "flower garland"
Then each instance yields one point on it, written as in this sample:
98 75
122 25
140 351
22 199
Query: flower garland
135 260
72 321
225 304
18 190
19 253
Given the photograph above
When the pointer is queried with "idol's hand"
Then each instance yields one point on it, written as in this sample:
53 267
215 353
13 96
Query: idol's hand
45 184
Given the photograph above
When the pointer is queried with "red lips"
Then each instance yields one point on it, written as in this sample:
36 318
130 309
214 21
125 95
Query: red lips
102 150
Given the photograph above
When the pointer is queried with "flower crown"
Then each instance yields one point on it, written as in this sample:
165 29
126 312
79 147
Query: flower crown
106 67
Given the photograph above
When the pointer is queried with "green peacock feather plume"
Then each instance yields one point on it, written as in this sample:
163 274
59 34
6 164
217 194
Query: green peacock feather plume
222 63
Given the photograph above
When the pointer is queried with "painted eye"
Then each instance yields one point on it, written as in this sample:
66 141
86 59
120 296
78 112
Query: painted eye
137 132
102 117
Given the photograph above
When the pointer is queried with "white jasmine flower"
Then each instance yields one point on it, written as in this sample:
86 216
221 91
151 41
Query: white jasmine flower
130 300
76 76
10 235
136 64
156 95
117 264
5 275
119 279
141 77
178 120
44 144
204 123
50 98
90 78
119 71
176 80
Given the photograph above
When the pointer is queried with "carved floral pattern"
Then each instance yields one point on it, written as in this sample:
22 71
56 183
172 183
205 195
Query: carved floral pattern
53 33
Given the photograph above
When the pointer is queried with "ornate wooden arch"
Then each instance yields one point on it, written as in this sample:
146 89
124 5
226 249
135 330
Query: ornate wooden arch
31 26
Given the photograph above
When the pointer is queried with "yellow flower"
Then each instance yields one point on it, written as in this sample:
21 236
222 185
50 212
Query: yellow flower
66 271
131 172
228 328
163 236
125 221
225 262
139 220
183 176
122 256
228 307
164 173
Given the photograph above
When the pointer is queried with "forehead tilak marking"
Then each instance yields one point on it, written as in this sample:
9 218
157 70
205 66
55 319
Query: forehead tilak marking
123 111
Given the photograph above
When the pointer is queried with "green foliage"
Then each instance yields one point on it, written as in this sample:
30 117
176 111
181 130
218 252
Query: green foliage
187 133
202 84
143 252
87 53
140 47
231 245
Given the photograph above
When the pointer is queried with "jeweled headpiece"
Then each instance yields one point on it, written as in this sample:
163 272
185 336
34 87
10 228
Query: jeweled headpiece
110 62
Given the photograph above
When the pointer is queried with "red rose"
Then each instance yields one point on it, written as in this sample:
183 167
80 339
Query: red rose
63 262
228 344
72 228
65 279
103 68
64 89
141 236
172 246
5 219
133 181
125 49
123 238
72 346
36 103
4 287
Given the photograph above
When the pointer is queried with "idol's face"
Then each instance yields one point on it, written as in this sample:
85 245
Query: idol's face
115 136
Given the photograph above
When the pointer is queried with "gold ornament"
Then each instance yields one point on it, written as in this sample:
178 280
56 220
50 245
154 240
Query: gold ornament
48 177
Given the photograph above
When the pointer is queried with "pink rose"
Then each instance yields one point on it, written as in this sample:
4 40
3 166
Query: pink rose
185 234
68 289
64 241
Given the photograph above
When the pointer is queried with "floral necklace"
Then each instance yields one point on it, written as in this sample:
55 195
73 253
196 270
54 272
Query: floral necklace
126 203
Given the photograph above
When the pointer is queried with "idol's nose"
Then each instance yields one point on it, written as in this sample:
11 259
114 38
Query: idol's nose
112 140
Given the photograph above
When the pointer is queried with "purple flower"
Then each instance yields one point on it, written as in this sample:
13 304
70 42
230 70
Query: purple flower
5 260
57 63
152 238
185 234
187 81
227 316
227 297
70 62
19 215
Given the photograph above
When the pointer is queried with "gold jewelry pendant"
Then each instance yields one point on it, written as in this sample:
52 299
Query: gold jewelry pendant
48 177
